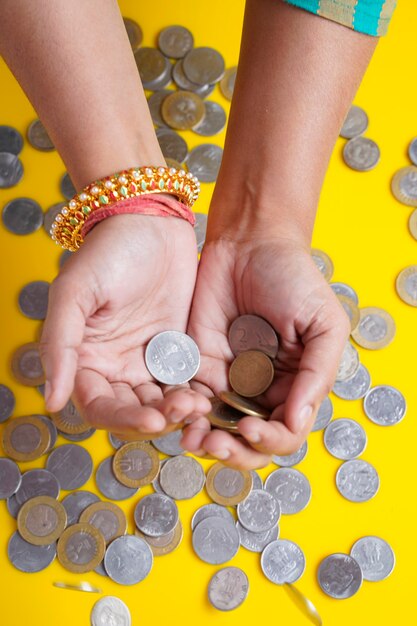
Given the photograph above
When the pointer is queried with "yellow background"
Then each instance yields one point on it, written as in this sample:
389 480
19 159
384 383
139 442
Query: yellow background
364 230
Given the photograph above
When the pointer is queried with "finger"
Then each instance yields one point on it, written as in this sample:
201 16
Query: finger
62 335
270 437
193 436
233 452
182 402
96 400
148 393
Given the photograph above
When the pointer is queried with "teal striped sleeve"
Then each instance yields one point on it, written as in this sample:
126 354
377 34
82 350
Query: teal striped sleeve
366 16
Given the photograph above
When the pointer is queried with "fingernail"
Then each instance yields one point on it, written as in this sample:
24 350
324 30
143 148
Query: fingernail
222 454
303 417
253 436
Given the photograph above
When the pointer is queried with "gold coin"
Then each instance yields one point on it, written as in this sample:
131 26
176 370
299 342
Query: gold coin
26 438
228 486
41 520
134 32
81 548
136 464
164 544
406 285
247 406
251 373
183 110
404 185
227 83
174 163
223 416
376 328
351 309
412 224
27 366
107 517
69 421
323 263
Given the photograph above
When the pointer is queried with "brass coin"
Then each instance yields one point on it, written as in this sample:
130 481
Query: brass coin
247 406
174 163
351 309
412 224
26 438
228 486
323 263
406 285
164 544
38 137
376 328
69 421
134 32
183 110
136 464
251 373
107 517
227 83
404 185
27 366
223 416
41 520
81 548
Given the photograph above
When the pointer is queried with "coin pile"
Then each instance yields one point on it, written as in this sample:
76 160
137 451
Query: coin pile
359 153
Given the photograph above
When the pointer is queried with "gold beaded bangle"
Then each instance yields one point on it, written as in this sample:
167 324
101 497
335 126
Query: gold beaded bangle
137 181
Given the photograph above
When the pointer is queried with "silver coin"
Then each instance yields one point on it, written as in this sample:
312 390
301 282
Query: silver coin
75 503
345 439
128 560
116 442
291 459
215 540
27 557
155 103
256 542
77 437
204 66
10 478
256 480
67 187
110 611
52 430
204 162
291 488
357 480
356 387
324 415
71 464
356 123
22 216
339 576
50 215
342 289
33 299
349 363
175 41
200 229
182 477
213 121
228 588
385 405
172 357
11 140
374 556
154 69
156 515
65 255
172 145
182 82
36 482
155 483
7 403
11 170
283 561
259 511
108 485
38 137
169 444
100 570
412 151
210 510
361 154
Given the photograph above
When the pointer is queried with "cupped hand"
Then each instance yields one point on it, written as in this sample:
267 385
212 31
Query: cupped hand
274 278
132 278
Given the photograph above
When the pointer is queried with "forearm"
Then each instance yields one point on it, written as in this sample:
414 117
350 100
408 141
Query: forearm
74 61
298 74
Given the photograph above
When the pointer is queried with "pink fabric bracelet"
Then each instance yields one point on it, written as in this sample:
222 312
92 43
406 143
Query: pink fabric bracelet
147 204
